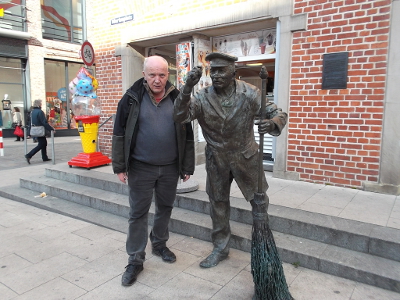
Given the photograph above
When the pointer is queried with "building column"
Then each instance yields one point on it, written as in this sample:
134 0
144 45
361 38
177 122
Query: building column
288 24
389 173
131 64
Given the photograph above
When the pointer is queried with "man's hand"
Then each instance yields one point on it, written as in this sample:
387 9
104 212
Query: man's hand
265 126
122 177
186 178
193 77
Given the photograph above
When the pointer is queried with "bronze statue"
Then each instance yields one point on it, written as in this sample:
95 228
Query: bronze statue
226 112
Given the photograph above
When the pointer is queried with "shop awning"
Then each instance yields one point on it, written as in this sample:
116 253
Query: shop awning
21 35
219 21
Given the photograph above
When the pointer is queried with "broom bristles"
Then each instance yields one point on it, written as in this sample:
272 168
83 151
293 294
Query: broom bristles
266 267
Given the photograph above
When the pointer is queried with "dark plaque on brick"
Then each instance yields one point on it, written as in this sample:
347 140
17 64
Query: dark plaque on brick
334 72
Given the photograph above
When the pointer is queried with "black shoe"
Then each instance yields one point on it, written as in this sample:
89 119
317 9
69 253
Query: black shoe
130 275
28 159
166 254
213 259
47 159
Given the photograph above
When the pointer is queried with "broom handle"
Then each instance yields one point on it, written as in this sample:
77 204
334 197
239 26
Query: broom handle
263 76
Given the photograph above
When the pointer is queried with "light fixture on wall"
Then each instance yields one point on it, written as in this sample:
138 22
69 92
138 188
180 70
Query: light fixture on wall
254 64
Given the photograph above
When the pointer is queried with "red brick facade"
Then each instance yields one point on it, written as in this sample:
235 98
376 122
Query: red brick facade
334 136
108 66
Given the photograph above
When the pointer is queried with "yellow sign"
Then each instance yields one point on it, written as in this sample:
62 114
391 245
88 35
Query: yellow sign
1 12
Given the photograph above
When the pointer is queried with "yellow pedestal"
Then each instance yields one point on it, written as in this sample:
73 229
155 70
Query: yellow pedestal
88 128
89 137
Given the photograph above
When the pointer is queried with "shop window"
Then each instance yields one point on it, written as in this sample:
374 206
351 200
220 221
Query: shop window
14 15
11 89
58 74
63 20
249 71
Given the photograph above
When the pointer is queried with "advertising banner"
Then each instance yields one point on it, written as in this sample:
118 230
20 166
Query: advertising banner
203 48
183 62
247 44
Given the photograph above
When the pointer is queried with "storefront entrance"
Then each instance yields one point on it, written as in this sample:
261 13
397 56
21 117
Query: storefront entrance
253 49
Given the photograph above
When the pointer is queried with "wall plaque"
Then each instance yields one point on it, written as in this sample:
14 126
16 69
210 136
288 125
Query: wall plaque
334 72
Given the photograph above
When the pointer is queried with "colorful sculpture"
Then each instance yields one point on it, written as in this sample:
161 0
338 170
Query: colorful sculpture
86 109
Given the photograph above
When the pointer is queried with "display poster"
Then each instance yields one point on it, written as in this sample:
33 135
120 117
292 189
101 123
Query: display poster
204 48
183 65
254 43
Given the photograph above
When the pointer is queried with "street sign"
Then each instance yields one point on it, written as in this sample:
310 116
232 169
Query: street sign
87 53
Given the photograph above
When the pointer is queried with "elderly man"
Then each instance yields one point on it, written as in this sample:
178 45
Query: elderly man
150 151
226 112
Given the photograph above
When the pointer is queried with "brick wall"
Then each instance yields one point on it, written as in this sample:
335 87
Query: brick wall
108 66
335 135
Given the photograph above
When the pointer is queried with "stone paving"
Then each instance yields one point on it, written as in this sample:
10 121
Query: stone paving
44 255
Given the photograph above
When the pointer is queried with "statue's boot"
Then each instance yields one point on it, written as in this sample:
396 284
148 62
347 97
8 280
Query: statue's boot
214 258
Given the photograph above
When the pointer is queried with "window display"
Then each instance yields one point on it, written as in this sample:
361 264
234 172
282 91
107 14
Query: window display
58 97
11 89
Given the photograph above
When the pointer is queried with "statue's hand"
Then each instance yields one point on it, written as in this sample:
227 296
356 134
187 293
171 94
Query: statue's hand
193 76
265 126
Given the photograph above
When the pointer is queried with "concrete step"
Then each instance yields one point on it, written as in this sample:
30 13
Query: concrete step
357 266
353 235
65 207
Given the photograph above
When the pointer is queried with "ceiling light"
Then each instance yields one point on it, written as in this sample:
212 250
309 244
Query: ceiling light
255 64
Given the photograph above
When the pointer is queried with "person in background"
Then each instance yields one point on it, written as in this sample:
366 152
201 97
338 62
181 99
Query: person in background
17 121
149 152
28 125
39 119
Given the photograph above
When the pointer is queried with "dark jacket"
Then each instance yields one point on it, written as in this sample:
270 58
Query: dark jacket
39 119
125 131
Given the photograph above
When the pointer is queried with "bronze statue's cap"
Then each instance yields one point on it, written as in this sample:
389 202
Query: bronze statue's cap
218 59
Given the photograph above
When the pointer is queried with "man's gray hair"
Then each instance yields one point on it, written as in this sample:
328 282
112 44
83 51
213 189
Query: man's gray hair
145 61
37 103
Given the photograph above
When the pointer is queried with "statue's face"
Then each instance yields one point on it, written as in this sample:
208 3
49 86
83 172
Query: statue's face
222 77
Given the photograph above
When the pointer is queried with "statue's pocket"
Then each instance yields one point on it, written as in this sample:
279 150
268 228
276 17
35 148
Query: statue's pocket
252 150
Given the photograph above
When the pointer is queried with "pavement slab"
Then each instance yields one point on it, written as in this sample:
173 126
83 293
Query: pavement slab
45 255
67 276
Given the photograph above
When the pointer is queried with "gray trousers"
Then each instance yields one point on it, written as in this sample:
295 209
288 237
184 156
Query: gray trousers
144 181
222 167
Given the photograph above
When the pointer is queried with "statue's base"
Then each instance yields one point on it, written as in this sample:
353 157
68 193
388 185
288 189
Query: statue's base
89 160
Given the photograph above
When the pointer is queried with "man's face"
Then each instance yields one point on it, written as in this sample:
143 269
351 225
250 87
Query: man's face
156 74
222 76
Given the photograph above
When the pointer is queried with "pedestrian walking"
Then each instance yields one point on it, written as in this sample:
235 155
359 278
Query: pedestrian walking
28 125
39 119
17 124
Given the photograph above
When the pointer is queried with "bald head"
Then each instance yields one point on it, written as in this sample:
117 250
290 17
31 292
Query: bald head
155 72
154 60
